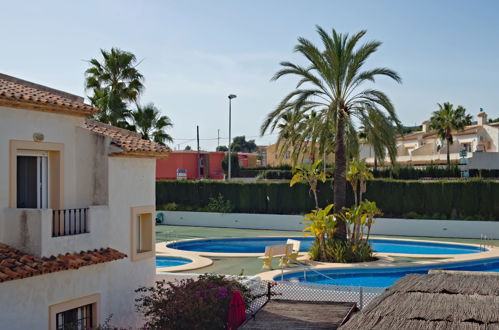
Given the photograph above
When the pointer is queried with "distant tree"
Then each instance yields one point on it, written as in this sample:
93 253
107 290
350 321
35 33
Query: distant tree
494 120
446 119
234 166
148 121
114 82
187 148
410 129
222 148
239 144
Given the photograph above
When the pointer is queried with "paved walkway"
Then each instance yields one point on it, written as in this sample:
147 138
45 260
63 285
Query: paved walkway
282 314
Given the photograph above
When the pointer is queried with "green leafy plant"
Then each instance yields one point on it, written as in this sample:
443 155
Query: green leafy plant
311 175
200 304
219 204
358 173
170 207
320 224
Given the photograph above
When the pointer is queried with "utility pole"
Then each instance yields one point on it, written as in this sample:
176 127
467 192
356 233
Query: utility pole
218 138
198 155
231 96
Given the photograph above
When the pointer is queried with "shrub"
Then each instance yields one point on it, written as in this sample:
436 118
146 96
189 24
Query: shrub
347 252
169 207
219 204
189 304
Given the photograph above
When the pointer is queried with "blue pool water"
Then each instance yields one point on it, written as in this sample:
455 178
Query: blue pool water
171 261
385 277
257 245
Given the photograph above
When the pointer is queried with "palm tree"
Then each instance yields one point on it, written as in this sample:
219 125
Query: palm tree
148 122
446 119
331 86
115 82
382 141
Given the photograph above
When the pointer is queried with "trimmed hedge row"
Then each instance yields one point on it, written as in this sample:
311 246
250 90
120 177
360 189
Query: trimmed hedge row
477 199
412 173
401 173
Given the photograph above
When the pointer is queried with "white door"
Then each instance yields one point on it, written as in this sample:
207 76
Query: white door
32 179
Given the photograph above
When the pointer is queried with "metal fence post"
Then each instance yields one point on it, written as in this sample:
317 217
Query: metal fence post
361 298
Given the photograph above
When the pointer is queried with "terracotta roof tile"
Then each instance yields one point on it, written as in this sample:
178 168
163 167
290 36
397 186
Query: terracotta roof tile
23 94
15 264
130 142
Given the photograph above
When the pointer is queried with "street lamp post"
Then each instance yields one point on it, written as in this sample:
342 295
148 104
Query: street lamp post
229 159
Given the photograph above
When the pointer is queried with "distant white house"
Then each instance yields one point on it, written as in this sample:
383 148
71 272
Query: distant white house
481 142
77 206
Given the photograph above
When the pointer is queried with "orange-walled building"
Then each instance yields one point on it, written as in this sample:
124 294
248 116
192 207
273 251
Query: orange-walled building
210 164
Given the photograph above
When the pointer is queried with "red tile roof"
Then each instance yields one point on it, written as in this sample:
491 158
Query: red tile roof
15 264
18 93
130 142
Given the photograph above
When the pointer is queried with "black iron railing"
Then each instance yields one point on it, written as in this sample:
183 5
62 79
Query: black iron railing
69 222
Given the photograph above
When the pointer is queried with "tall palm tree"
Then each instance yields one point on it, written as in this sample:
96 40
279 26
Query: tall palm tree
331 84
148 122
115 82
446 119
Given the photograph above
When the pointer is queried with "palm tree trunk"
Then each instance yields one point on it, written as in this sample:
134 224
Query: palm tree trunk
448 153
340 182
375 162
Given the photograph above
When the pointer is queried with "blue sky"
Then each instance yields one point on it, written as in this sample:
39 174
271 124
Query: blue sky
195 53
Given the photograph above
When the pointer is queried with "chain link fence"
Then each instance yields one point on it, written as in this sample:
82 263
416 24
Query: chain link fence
263 291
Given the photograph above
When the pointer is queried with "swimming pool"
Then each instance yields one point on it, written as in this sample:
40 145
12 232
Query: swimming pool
171 261
257 245
383 277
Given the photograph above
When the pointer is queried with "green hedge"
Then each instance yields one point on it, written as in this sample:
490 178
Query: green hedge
472 199
432 171
400 173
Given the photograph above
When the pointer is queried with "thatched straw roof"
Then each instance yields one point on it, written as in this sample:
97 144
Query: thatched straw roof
434 301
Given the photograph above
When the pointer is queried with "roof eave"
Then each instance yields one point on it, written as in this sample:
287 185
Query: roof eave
26 105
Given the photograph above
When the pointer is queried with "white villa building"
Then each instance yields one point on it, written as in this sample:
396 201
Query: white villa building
481 141
77 212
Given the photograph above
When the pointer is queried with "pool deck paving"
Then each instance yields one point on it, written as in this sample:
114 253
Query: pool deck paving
249 264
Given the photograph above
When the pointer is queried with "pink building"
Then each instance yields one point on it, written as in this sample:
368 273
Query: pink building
184 163
210 165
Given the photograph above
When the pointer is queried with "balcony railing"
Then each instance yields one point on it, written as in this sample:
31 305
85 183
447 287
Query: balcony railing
69 222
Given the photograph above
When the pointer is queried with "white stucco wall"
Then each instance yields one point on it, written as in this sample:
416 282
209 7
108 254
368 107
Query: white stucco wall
25 303
131 183
18 124
30 230
383 226
110 186
484 160
492 133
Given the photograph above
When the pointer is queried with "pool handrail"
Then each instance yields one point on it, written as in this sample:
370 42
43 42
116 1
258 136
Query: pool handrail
305 267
